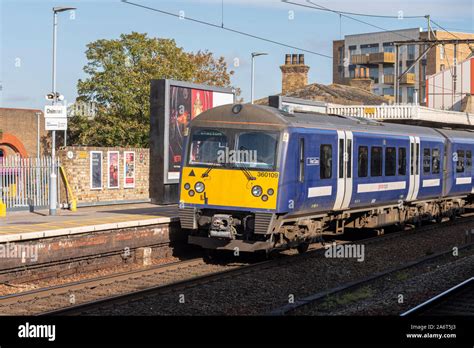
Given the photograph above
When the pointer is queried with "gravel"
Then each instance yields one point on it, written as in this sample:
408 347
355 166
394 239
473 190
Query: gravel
260 291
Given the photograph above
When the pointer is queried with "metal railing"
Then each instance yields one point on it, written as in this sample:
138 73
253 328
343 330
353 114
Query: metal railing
24 182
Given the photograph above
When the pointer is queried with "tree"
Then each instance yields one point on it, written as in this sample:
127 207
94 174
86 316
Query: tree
119 73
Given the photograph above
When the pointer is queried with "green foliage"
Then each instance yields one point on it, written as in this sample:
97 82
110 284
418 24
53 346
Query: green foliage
119 73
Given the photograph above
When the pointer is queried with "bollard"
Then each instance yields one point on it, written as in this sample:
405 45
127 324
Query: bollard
3 209
73 205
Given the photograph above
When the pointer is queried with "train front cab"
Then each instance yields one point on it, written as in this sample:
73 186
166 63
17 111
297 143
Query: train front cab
228 203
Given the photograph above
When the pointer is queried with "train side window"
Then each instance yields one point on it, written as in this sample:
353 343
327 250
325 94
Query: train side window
341 158
402 161
363 162
460 162
301 161
349 158
468 160
426 161
417 159
390 161
326 161
435 161
375 161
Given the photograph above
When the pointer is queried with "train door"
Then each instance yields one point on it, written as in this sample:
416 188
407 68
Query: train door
344 170
414 181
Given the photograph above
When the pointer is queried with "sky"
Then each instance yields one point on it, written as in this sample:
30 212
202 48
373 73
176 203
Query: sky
26 36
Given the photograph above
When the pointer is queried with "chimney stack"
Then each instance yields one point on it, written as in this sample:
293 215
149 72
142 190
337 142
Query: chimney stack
294 73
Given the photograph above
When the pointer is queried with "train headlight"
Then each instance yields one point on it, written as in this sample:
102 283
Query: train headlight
199 187
257 191
187 186
270 192
264 198
191 193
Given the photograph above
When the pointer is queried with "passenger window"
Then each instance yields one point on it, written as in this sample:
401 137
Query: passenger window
341 158
402 161
349 158
435 158
301 161
363 162
375 161
460 162
426 161
468 160
326 162
390 161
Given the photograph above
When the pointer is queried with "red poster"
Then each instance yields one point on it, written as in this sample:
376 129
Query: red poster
200 101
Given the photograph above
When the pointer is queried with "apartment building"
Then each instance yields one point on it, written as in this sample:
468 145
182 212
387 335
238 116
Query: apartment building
371 56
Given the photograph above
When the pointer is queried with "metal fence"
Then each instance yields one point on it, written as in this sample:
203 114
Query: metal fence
24 182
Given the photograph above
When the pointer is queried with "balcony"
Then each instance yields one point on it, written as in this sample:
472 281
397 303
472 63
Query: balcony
390 98
359 59
382 58
388 79
407 79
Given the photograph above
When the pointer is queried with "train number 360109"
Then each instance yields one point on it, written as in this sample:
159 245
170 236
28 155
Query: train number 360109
267 175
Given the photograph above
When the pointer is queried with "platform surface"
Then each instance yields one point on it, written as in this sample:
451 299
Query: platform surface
18 226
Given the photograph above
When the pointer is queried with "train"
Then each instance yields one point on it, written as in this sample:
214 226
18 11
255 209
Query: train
257 178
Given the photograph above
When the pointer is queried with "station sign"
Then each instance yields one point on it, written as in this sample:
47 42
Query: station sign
56 111
55 117
55 123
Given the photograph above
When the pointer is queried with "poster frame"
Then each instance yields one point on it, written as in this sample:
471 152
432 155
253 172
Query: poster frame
125 185
91 182
108 170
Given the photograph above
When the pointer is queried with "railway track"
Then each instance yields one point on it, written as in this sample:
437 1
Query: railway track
458 300
90 290
354 286
203 279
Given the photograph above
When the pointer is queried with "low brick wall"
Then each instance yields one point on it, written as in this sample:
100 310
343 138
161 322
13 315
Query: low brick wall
76 161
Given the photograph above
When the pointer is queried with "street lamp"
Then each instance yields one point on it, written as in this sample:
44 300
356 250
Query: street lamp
254 54
53 178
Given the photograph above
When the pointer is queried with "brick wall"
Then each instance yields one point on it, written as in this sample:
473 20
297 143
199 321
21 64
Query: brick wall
22 124
76 161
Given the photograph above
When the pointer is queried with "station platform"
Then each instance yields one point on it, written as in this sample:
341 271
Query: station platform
69 239
19 226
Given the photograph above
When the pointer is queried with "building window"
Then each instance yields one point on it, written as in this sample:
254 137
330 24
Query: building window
389 91
402 161
411 52
460 162
426 161
369 48
410 94
363 162
326 161
435 161
388 70
388 47
441 52
374 74
375 161
390 161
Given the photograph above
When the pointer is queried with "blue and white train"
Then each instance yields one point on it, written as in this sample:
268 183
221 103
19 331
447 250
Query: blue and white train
313 174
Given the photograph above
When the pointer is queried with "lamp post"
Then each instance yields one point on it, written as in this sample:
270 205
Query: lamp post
254 54
53 177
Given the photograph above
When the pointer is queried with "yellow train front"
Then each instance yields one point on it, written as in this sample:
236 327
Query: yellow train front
230 178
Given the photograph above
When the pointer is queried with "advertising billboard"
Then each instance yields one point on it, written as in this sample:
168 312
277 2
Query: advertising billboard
173 104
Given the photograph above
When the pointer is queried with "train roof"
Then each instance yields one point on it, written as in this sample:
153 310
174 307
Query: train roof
267 118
